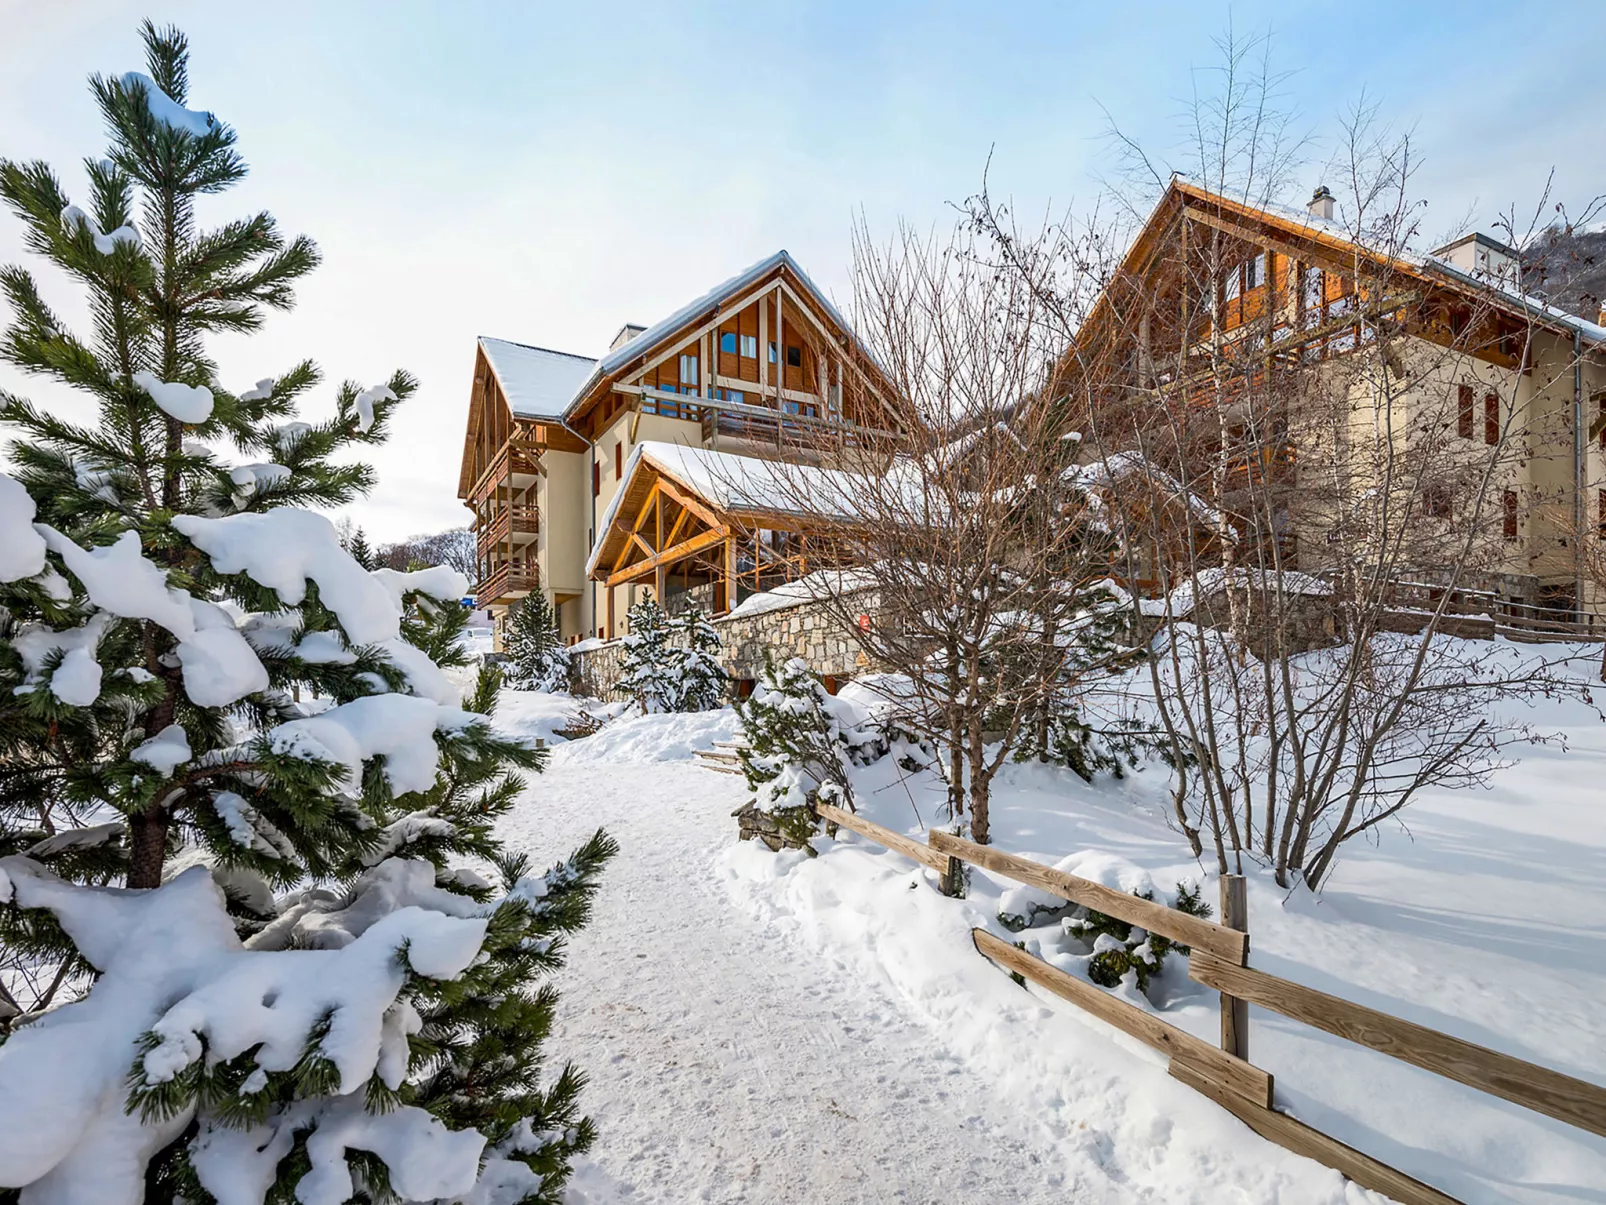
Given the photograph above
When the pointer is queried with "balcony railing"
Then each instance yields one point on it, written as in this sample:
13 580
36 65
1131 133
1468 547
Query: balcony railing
504 581
523 518
514 456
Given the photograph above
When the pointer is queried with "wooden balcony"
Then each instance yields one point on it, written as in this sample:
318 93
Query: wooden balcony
517 519
516 457
506 582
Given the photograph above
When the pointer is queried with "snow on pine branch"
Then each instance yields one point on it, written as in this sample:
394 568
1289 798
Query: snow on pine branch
219 666
22 549
165 109
399 728
285 548
179 994
365 404
74 219
187 403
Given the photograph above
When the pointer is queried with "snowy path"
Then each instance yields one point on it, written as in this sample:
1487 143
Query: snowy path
728 1063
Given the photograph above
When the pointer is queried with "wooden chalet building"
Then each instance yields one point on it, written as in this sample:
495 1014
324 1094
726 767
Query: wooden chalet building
597 479
1288 289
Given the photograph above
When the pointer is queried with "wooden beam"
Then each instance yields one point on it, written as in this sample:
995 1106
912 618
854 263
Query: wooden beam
1192 931
1239 1078
897 842
1313 1144
687 502
721 312
1533 1087
641 568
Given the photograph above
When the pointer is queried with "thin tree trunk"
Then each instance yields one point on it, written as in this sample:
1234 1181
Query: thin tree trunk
147 832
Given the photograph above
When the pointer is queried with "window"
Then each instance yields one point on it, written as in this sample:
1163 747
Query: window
596 478
750 346
1600 400
772 351
619 459
1602 519
688 370
1436 501
1491 419
1255 272
1464 409
1310 297
1508 514
727 343
794 357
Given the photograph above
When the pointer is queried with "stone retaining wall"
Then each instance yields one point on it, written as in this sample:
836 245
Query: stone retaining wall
803 629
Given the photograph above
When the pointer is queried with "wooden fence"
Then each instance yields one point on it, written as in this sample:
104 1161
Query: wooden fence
1219 959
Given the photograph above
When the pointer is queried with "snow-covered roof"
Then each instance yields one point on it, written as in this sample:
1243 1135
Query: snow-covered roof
626 352
735 483
537 382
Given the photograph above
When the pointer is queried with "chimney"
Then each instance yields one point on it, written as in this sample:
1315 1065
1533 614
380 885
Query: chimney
1321 204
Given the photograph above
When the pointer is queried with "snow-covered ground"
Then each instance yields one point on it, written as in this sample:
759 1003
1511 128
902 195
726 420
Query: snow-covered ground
777 1028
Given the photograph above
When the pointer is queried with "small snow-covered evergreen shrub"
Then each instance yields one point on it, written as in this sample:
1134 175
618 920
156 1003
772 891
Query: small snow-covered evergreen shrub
1120 948
645 676
801 744
536 658
262 976
700 680
1087 751
1115 949
671 664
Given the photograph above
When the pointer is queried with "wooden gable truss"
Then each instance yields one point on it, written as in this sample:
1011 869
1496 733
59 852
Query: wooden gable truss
664 534
833 396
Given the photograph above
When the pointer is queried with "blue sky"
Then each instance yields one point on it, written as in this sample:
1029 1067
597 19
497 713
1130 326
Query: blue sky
547 172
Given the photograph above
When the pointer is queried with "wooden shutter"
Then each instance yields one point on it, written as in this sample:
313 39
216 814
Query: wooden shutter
1463 414
1491 419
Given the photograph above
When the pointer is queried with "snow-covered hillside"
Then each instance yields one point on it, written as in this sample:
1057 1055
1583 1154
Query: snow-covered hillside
765 1027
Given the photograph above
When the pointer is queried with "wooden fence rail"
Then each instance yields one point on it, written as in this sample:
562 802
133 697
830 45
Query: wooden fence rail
1219 959
1231 945
1527 1084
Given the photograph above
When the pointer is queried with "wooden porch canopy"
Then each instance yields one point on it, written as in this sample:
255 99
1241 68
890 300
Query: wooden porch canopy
667 529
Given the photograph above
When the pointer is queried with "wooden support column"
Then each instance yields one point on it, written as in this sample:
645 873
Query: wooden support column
1235 1012
609 591
763 348
728 560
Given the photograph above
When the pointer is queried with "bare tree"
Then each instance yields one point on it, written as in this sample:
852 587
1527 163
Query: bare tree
1322 455
453 547
978 552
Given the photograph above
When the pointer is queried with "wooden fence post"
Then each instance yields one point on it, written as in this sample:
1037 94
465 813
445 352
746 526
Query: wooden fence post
1235 1012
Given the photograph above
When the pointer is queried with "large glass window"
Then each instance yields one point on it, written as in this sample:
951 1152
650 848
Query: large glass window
688 370
727 342
750 346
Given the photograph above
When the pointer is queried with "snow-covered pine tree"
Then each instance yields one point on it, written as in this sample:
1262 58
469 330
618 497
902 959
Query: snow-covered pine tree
283 988
536 658
800 744
700 680
645 672
1097 646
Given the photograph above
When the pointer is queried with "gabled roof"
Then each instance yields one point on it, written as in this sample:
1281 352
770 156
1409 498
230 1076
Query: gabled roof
735 486
701 308
537 382
1302 227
